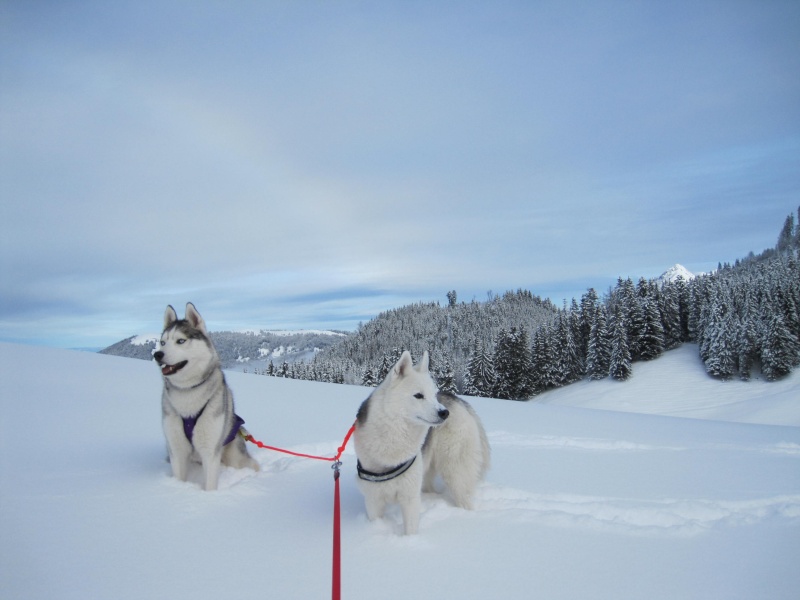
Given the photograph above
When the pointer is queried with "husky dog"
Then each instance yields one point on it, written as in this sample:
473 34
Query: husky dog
391 427
197 404
457 451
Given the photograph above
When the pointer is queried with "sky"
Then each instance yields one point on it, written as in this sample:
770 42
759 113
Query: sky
310 164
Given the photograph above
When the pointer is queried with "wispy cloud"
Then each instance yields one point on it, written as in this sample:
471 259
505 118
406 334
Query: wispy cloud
311 164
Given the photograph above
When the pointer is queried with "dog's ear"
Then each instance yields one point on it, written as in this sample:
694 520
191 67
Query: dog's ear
422 366
194 318
404 365
170 316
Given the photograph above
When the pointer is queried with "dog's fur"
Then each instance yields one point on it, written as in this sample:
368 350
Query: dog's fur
391 427
457 451
194 384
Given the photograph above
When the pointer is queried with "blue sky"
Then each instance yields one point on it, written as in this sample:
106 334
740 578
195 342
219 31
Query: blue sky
310 164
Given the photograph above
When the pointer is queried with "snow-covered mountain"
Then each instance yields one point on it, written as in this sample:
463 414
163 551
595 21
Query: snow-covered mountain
671 275
579 503
238 349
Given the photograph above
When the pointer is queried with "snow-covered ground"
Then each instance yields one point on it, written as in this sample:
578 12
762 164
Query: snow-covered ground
676 384
579 504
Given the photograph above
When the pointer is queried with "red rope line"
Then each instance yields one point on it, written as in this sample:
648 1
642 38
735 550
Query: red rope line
336 458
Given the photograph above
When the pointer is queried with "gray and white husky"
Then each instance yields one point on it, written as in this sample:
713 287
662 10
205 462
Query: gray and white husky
404 412
196 404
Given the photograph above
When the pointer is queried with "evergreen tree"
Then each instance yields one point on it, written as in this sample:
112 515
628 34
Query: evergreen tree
779 351
512 363
651 339
569 366
598 361
542 374
589 304
684 304
388 360
797 230
747 347
787 235
368 379
442 372
480 379
452 298
620 366
720 361
669 304
633 317
283 370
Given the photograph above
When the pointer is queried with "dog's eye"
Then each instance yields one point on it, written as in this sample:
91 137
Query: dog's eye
163 343
419 396
181 341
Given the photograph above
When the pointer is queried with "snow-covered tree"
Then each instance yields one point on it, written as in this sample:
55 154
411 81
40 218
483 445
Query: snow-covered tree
779 352
368 379
669 304
442 372
598 361
480 377
620 367
787 234
651 337
512 364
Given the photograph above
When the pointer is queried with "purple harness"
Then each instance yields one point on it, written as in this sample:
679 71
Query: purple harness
190 422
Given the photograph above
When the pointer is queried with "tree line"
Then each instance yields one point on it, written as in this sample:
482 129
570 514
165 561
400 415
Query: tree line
743 317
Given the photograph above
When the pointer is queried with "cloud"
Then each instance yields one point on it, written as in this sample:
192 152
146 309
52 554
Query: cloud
301 164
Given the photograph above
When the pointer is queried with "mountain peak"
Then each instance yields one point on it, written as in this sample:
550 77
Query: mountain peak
675 271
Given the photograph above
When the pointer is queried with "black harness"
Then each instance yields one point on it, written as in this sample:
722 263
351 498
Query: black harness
386 476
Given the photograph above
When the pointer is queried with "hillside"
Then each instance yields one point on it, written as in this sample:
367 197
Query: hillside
744 318
590 504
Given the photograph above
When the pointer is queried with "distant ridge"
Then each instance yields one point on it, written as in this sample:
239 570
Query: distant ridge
255 347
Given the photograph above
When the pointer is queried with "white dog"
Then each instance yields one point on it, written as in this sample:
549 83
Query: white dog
196 404
391 427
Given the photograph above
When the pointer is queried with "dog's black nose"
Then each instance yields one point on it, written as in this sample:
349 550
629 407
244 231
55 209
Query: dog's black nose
443 414
158 355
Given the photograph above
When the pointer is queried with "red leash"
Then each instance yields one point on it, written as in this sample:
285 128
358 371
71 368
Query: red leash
336 578
336 458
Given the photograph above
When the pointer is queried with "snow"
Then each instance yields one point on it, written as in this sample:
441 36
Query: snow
291 332
677 270
579 503
676 384
145 338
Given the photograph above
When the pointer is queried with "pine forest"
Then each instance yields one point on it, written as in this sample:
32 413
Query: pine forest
744 318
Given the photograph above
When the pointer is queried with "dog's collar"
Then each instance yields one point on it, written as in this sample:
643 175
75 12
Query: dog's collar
386 476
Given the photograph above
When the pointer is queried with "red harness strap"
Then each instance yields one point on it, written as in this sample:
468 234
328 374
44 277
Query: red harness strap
336 458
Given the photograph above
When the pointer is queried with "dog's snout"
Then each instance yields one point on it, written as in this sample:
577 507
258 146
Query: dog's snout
158 355
444 413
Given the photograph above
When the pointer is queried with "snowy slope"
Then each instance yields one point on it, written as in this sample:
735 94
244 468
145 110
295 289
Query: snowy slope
579 503
676 384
